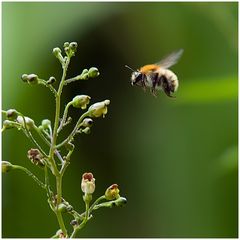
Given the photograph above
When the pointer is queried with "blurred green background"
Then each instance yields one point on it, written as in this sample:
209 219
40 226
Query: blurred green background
174 159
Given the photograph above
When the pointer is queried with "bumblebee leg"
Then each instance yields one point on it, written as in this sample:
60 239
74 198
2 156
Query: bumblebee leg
155 82
143 83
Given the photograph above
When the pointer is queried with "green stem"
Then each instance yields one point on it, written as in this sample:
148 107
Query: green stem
30 174
59 199
96 202
42 136
52 89
64 116
83 223
74 131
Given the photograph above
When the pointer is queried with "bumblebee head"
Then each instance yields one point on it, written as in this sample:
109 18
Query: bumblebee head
136 76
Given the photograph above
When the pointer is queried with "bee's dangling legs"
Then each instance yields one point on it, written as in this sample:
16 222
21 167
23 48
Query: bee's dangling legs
155 82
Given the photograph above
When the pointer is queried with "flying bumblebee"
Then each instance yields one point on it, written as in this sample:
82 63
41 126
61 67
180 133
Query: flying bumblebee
157 76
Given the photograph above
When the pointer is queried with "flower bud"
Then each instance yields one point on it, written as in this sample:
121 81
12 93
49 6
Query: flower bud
6 166
29 122
8 124
112 192
46 123
120 202
66 44
24 77
93 72
88 183
86 130
36 157
73 46
32 79
74 223
99 109
87 122
12 114
51 80
57 51
81 101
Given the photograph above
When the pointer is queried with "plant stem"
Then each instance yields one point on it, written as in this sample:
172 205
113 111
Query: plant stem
30 174
83 223
53 148
64 117
74 131
59 199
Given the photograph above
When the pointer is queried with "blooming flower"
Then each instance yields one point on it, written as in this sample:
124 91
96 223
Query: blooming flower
99 109
88 183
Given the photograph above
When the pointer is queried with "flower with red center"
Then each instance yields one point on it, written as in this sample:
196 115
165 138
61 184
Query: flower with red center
88 183
112 192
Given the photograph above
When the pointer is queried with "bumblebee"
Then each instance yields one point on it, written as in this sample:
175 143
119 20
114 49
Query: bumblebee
157 76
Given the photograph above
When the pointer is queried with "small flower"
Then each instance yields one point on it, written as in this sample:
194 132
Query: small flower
81 101
88 183
93 72
29 122
12 114
36 157
112 192
6 166
99 109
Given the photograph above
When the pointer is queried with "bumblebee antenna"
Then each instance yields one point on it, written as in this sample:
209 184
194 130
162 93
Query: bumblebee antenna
130 68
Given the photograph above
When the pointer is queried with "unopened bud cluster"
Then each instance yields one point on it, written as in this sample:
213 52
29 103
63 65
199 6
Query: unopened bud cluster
30 78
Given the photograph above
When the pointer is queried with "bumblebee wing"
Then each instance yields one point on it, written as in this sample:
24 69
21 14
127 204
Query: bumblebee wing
171 59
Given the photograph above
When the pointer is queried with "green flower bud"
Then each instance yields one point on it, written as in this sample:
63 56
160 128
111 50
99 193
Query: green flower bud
86 130
99 109
46 123
87 122
57 51
81 101
51 80
120 202
12 114
74 223
32 79
73 46
65 207
93 72
66 44
29 122
6 166
8 124
88 183
112 192
24 77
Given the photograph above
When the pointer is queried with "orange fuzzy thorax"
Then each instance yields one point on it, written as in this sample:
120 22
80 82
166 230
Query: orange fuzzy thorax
151 67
